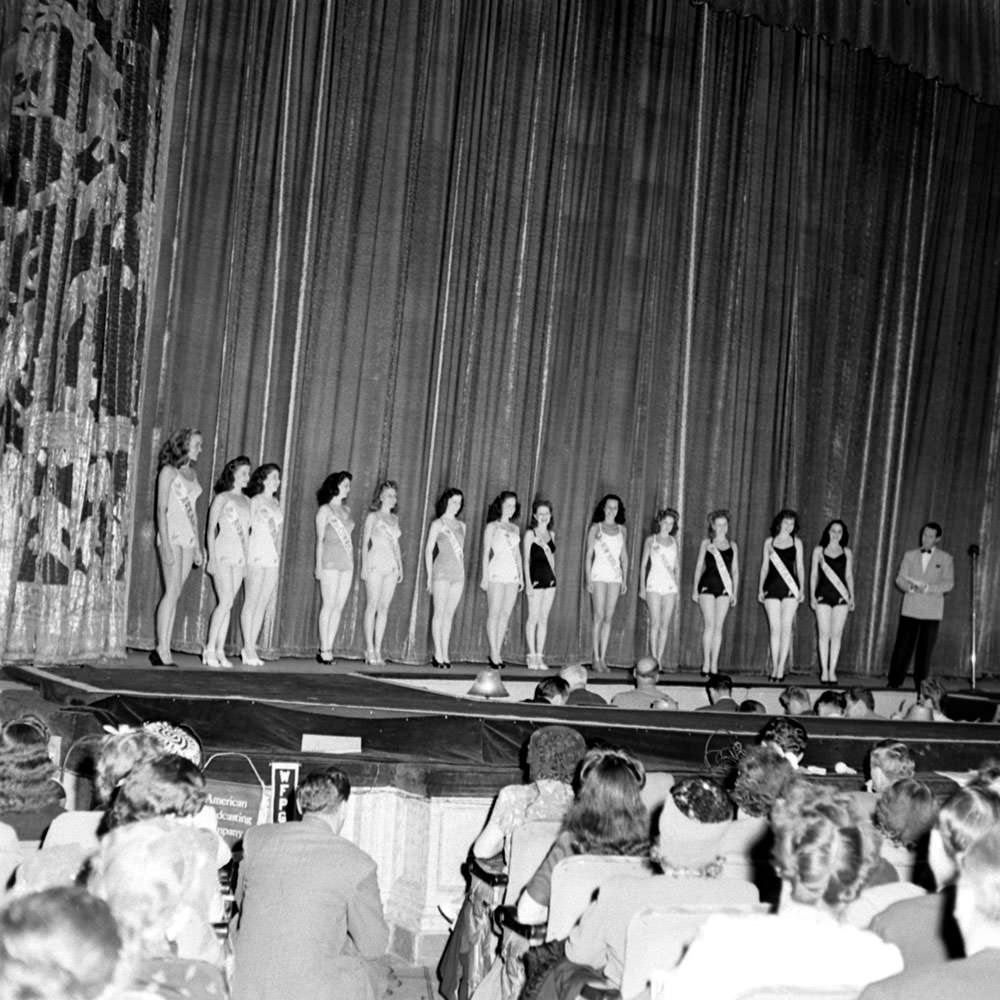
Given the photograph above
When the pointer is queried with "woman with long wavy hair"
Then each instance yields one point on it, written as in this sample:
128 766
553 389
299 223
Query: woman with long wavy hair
444 562
502 573
178 534
334 558
30 797
605 567
381 565
263 555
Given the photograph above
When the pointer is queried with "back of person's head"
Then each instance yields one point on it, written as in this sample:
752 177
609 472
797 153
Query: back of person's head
761 776
554 752
931 692
795 701
58 944
824 847
988 774
323 791
551 691
719 686
176 739
905 812
751 706
156 875
608 815
977 902
575 675
703 799
919 711
26 771
787 736
646 670
860 702
966 816
889 761
831 704
119 753
165 786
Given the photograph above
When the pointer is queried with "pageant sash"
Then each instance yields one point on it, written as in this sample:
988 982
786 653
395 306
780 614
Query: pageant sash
454 542
544 546
392 534
185 501
839 584
779 565
232 513
722 569
612 559
660 552
342 533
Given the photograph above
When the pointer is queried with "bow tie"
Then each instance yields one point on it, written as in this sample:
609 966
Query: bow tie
926 552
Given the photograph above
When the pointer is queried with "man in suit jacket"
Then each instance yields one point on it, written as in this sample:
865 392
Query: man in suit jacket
310 911
977 911
925 576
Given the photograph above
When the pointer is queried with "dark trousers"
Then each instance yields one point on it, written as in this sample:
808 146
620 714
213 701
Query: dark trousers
915 638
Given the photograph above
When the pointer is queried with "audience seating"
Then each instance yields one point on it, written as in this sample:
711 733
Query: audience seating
76 827
654 793
574 882
657 938
529 844
744 847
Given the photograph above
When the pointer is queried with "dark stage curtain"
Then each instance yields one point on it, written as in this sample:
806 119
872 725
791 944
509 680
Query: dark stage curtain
571 248
82 84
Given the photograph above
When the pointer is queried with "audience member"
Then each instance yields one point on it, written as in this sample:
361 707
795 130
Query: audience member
889 761
977 913
831 705
645 676
787 736
924 929
303 891
719 688
551 691
576 676
60 944
824 850
930 693
761 776
750 706
795 701
30 797
905 813
165 786
861 703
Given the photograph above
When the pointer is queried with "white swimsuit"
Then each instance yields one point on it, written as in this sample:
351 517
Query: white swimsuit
265 530
607 567
502 566
662 578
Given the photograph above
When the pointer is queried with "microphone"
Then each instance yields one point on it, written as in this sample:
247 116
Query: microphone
973 550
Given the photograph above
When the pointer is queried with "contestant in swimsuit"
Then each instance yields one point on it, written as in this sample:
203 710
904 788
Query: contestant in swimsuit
228 536
502 577
263 550
444 561
334 557
539 566
716 582
658 574
831 584
178 542
606 568
381 565
780 588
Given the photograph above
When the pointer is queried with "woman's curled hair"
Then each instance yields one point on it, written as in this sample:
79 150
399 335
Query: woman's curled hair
258 476
27 774
496 507
761 776
554 752
175 450
227 478
824 846
167 786
331 486
702 799
905 812
441 507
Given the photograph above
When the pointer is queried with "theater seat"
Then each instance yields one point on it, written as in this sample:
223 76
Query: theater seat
657 938
575 881
529 844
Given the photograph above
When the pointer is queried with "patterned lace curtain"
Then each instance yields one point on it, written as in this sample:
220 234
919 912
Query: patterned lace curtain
89 103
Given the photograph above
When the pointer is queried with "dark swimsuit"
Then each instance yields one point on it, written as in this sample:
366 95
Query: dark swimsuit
711 582
775 587
826 592
539 569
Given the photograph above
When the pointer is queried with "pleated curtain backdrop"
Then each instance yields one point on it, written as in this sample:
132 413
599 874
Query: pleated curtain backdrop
571 248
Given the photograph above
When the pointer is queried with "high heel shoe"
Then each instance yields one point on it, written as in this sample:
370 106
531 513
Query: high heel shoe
209 658
326 660
224 661
495 665
157 661
250 661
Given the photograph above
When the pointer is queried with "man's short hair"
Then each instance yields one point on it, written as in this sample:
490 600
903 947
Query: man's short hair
753 707
322 790
550 688
786 734
980 877
719 684
795 701
860 693
894 759
575 675
934 526
836 700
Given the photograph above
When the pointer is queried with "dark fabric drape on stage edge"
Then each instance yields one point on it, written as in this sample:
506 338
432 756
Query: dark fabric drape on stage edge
956 42
571 248
76 262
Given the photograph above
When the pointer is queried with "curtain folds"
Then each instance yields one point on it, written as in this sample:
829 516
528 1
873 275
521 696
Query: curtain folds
957 42
569 249
76 259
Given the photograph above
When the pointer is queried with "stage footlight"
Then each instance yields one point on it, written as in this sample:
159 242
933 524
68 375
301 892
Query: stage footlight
488 685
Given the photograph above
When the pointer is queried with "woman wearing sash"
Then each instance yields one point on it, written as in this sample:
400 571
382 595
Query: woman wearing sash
502 579
658 578
831 585
444 561
539 554
716 579
606 567
782 574
334 557
381 565
263 550
177 531
228 534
